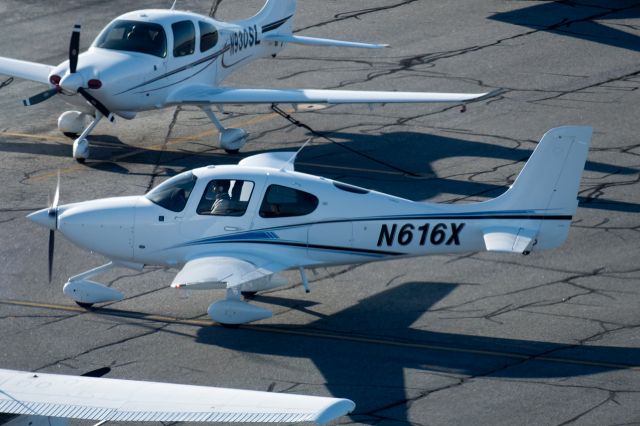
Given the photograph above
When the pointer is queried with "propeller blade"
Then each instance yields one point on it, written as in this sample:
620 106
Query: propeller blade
40 97
74 48
56 196
52 240
96 103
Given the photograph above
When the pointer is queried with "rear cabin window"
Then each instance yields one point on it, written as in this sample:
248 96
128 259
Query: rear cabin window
225 197
184 38
174 193
281 201
208 36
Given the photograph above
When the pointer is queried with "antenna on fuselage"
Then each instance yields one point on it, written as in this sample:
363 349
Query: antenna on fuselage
293 157
173 6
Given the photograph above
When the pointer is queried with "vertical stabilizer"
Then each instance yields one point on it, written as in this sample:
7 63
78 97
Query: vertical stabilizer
276 16
550 179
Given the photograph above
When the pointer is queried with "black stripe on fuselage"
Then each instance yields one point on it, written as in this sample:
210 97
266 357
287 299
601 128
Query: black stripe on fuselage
314 246
277 24
439 217
211 57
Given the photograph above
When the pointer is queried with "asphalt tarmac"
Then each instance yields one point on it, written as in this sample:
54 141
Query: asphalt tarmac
483 338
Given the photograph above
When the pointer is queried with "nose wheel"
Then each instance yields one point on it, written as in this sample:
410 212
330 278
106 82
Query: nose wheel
81 150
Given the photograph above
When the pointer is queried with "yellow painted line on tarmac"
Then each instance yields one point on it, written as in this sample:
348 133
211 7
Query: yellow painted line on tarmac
37 136
323 335
171 141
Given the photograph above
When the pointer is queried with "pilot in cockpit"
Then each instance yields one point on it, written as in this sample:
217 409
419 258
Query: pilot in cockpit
222 202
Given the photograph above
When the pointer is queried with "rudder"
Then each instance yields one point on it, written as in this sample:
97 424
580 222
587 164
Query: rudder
550 179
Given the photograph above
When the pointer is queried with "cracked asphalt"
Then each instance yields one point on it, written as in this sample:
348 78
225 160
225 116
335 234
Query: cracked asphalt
481 338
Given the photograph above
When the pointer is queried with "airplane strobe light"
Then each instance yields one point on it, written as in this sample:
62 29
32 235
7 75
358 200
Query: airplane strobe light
235 227
151 59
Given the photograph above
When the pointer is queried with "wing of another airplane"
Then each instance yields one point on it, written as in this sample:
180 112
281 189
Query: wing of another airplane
202 94
215 272
27 70
89 398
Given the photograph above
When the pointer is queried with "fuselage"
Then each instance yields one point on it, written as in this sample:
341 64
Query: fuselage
280 214
142 57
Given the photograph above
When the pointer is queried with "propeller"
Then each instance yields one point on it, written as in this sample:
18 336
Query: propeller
74 52
53 211
74 48
96 103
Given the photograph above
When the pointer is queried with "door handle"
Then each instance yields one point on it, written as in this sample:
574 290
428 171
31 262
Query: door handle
232 228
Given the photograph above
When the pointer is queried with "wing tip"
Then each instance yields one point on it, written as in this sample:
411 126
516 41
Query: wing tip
341 407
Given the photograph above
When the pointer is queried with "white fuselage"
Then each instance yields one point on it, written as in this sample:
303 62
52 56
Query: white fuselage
345 226
135 81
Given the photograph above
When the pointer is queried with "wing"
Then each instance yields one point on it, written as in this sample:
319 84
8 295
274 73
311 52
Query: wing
214 272
23 69
202 94
90 398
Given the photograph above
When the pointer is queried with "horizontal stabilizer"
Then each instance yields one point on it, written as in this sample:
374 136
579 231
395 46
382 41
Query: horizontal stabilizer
314 41
509 240
270 160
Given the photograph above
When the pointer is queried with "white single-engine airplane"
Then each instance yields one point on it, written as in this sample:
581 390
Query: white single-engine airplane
235 226
150 59
38 399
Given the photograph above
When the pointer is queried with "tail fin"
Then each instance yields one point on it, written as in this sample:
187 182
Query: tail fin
550 179
277 14
546 191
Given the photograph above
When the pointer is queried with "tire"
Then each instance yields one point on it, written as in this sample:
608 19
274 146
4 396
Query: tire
84 305
232 151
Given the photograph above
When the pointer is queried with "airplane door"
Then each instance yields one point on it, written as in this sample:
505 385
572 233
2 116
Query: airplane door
227 206
330 242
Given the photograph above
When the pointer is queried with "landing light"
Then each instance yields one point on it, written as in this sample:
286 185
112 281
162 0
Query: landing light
94 84
55 79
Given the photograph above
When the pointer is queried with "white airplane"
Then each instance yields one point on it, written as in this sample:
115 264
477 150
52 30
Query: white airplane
151 59
236 226
38 399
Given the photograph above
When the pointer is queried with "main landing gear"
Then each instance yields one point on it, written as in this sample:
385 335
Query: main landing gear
231 140
233 311
72 123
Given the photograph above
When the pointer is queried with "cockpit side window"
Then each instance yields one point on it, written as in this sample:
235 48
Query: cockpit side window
134 36
225 197
174 193
184 38
208 36
281 201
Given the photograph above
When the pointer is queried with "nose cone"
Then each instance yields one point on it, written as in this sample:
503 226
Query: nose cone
71 82
43 218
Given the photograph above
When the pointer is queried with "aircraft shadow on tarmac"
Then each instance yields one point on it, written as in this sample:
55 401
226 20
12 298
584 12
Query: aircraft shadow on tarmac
373 375
569 19
397 163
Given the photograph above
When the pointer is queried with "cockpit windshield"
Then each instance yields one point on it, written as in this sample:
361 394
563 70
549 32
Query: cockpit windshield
174 193
134 36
